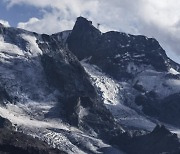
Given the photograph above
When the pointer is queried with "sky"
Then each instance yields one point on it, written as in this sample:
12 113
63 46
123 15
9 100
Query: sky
159 19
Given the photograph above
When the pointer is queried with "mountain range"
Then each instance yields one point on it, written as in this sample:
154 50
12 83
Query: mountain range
84 91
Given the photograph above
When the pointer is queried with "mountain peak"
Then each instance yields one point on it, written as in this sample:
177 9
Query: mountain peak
83 31
84 25
82 20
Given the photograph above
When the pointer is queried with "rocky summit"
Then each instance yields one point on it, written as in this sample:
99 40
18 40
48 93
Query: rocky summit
84 91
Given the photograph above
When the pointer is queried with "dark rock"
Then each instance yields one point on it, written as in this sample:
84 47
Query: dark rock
4 96
160 140
170 109
5 123
63 70
166 110
114 51
139 87
150 103
82 38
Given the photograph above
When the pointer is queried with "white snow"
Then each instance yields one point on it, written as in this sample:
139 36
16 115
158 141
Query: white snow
173 71
32 45
108 87
155 81
137 56
117 56
9 50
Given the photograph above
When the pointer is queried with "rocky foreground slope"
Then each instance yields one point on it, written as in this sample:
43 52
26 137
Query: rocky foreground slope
13 142
82 91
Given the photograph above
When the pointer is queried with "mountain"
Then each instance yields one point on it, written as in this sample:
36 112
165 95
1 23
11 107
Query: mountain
46 93
142 75
83 91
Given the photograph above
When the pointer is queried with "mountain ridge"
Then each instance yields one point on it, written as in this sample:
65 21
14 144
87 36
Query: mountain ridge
89 105
116 41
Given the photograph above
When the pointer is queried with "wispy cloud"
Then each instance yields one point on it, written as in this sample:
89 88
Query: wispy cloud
154 18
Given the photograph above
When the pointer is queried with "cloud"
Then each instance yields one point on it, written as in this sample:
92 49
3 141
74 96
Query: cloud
50 23
159 19
5 23
29 24
57 16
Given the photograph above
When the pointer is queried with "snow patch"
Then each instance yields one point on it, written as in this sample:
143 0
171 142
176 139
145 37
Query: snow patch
32 45
108 88
152 80
8 49
173 71
117 56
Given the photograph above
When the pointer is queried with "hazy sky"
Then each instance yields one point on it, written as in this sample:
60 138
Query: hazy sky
154 18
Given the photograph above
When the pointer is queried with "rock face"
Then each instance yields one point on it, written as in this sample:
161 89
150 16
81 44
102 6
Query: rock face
156 142
82 40
5 123
166 109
